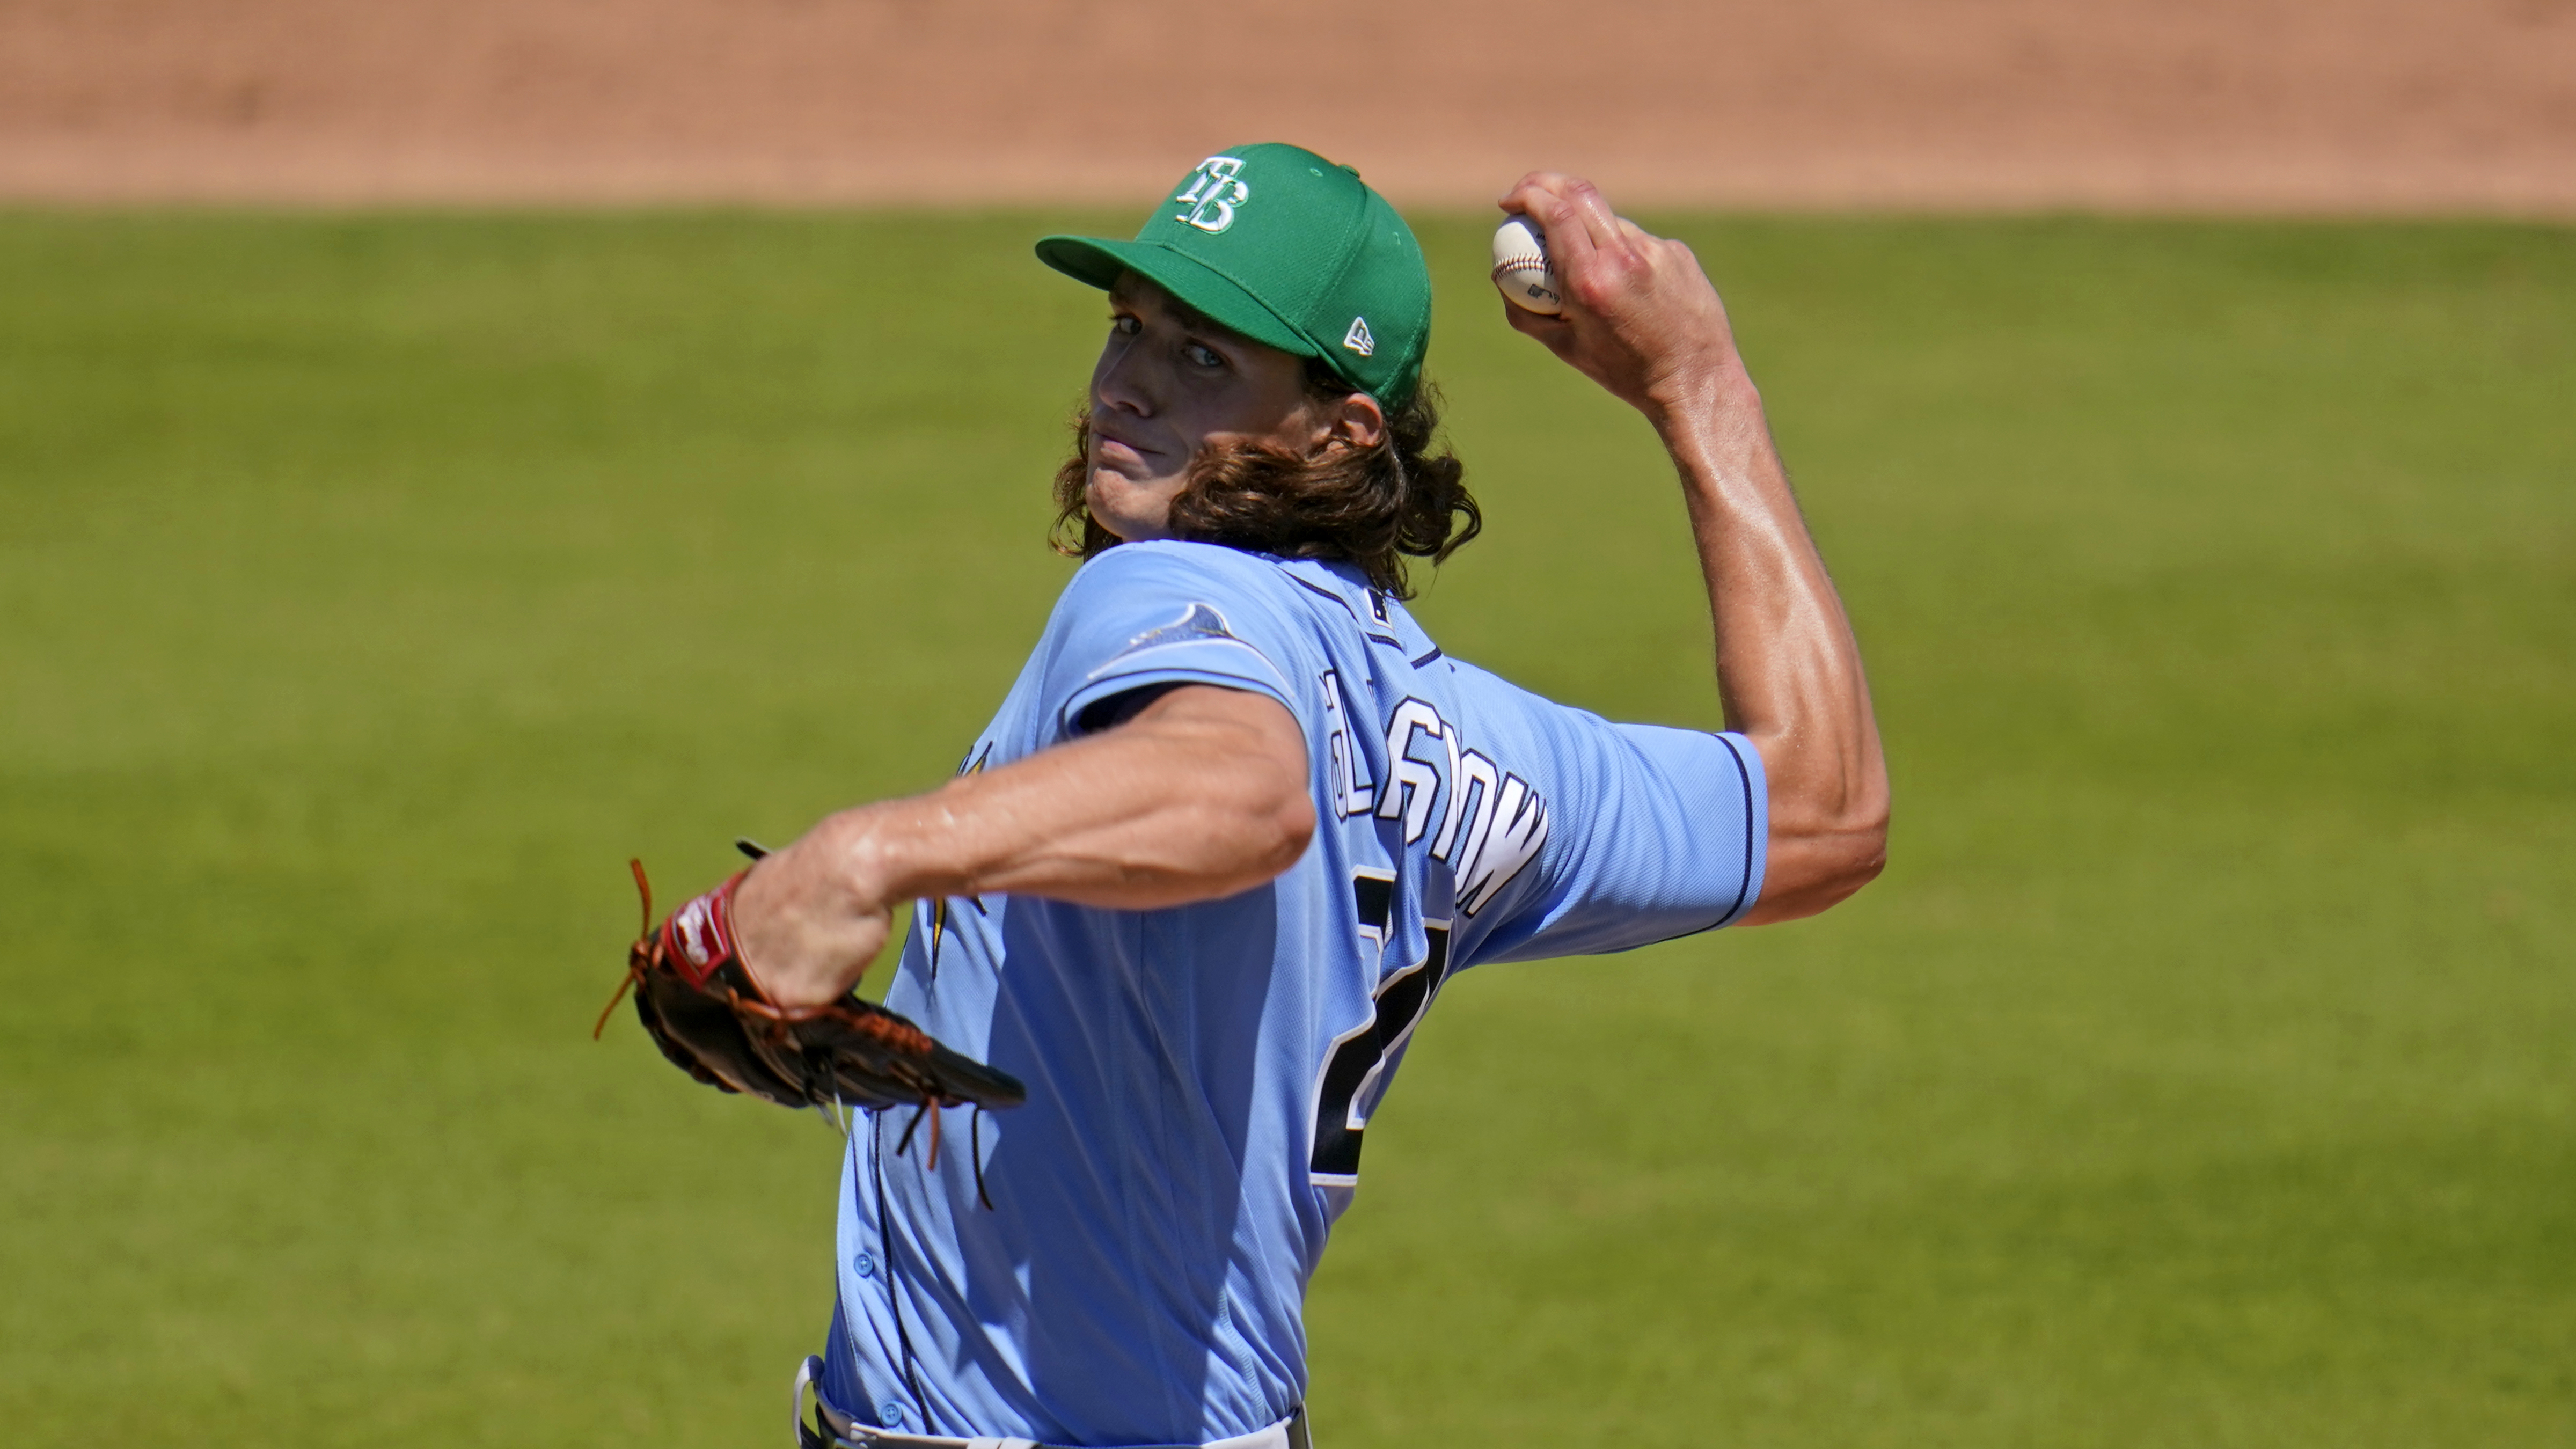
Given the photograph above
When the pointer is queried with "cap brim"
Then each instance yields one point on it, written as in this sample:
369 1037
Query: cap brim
1202 288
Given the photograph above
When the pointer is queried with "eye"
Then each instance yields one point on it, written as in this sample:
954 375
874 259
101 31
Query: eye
1124 325
1203 356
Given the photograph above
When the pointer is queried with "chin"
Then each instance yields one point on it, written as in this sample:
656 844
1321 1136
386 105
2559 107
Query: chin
1131 509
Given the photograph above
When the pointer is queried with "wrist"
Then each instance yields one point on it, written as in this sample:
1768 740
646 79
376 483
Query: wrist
1714 430
1708 392
863 862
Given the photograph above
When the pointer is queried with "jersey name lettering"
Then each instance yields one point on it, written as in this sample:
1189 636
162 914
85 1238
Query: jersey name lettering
1490 823
1352 795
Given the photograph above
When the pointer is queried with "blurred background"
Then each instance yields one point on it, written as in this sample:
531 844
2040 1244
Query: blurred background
2266 105
445 450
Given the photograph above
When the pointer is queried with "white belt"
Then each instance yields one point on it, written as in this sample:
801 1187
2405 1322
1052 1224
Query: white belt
1288 1433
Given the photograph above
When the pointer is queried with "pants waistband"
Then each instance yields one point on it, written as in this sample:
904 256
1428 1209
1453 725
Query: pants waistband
832 1429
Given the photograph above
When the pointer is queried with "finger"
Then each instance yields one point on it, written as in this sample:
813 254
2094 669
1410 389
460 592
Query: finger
1591 245
1555 333
1552 182
1585 206
1568 237
1663 257
1554 200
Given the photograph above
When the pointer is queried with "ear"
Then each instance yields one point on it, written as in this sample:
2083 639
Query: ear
1353 421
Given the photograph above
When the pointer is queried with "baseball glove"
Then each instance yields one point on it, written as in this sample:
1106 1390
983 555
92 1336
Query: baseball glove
704 1011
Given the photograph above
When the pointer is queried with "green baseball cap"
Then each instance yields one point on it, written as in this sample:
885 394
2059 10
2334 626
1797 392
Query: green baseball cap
1283 246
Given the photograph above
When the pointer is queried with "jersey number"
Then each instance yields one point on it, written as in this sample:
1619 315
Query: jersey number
1360 1054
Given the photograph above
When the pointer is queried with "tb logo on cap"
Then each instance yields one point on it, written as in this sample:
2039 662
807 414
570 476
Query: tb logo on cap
1215 190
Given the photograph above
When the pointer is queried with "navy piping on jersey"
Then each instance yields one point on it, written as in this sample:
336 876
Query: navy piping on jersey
1427 658
1320 589
1744 885
1346 608
1745 777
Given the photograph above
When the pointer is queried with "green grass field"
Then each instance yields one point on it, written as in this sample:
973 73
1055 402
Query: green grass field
2203 1071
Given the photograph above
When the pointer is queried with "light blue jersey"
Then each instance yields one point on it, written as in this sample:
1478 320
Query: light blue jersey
1201 1078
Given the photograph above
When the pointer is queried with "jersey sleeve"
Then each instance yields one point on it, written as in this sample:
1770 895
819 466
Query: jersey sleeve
1652 833
1155 615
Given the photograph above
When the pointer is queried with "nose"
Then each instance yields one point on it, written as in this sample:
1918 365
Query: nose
1119 383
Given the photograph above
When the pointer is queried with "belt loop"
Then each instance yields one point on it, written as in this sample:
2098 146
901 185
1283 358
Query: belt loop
806 1373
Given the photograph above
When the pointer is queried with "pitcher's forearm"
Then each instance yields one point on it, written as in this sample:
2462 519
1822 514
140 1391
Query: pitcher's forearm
1785 653
1159 812
1788 665
1202 795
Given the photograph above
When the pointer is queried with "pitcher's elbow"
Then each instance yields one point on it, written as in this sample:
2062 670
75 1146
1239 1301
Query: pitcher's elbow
1291 830
1868 861
1809 872
1863 848
1868 845
1850 862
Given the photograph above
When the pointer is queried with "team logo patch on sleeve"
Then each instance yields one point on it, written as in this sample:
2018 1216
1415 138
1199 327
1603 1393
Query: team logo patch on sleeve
1199 625
1198 621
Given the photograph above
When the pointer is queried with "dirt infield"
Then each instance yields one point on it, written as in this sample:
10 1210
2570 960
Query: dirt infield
2297 105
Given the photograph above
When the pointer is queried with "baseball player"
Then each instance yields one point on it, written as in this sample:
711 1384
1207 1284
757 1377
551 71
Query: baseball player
1240 820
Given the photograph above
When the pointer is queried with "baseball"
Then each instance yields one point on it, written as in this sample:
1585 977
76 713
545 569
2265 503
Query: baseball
1524 272
1521 268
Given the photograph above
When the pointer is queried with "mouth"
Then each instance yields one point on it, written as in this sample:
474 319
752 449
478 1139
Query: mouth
1111 450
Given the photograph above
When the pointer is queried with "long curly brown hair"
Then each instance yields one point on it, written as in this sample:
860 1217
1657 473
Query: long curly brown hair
1374 508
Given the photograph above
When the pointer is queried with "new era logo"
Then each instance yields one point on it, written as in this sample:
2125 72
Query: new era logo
1358 339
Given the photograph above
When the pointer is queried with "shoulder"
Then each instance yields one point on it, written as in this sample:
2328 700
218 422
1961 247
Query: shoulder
1166 562
1171 575
1172 613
